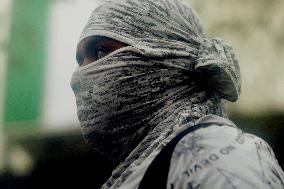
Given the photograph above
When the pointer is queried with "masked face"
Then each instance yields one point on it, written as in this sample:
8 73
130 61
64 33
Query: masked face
117 96
136 96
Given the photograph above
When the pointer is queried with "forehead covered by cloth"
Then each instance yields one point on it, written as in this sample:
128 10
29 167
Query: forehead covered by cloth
158 28
168 28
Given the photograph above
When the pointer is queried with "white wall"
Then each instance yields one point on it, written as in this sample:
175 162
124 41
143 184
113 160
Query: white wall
66 22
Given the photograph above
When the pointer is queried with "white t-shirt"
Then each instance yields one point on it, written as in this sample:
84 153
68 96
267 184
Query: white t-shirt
218 157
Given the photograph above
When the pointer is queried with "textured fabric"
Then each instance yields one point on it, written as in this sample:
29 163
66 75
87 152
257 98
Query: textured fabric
156 175
163 28
217 157
224 157
137 98
120 99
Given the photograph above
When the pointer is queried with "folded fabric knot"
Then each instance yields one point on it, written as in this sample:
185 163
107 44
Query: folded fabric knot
217 60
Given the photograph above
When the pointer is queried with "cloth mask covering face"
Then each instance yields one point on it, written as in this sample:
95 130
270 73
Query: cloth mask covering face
130 102
120 98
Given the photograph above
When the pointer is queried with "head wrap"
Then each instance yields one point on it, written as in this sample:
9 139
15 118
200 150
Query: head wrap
171 74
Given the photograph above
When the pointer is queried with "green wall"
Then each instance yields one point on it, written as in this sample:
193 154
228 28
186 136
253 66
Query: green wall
26 59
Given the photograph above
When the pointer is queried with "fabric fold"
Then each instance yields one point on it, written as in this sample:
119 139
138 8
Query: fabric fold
217 60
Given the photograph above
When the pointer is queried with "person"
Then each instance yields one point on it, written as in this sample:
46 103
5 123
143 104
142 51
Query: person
151 91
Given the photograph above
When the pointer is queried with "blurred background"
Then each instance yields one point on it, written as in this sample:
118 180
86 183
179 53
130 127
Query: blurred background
40 139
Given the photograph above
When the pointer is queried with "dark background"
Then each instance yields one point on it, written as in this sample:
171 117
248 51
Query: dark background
67 161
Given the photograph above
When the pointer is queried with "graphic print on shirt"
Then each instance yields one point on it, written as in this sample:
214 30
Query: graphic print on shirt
234 180
193 185
270 175
189 145
190 185
199 159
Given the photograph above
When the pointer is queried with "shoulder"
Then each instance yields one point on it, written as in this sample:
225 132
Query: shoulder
209 133
221 155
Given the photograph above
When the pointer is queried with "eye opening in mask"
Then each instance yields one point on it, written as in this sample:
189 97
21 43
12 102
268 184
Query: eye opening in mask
123 49
94 48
